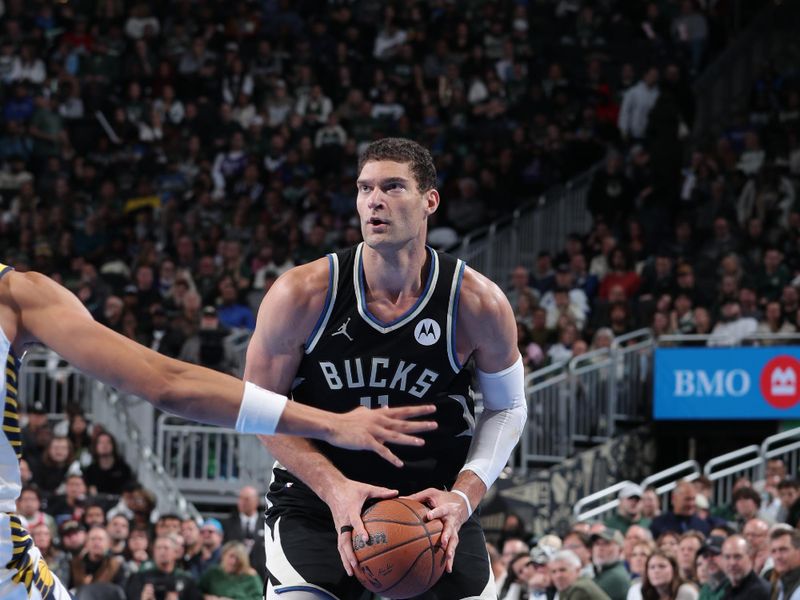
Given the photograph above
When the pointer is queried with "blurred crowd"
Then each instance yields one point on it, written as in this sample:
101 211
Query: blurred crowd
100 532
168 161
747 549
709 246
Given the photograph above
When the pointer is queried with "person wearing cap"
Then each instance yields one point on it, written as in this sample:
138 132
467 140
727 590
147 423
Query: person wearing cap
35 431
610 573
683 515
565 573
738 568
578 302
717 585
211 536
629 510
73 536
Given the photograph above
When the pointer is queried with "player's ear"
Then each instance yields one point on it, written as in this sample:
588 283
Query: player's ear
431 201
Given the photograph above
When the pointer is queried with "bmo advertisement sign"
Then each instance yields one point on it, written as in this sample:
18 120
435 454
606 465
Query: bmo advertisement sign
727 383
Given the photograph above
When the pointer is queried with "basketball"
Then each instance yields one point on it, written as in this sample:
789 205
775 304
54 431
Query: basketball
403 557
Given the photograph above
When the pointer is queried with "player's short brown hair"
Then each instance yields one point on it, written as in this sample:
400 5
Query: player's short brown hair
403 151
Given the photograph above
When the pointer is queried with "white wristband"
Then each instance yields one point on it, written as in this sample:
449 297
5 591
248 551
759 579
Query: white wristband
464 496
260 410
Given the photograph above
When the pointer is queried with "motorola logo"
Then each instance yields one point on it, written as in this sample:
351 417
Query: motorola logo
427 332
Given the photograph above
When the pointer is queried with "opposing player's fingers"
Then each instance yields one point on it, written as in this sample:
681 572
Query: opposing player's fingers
386 454
395 437
408 412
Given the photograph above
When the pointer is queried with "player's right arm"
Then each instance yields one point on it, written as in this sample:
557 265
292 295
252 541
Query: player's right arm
285 320
48 313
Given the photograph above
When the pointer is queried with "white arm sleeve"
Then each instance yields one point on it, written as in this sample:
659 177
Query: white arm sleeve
500 425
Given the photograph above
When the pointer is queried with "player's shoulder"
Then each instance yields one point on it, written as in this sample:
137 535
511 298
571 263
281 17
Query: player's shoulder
300 290
480 297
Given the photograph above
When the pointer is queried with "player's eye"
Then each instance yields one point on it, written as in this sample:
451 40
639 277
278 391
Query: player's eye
391 187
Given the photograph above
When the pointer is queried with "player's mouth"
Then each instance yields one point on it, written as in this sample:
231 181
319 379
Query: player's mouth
376 222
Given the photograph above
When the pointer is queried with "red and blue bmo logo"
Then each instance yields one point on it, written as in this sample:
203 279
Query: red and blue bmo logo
779 382
727 383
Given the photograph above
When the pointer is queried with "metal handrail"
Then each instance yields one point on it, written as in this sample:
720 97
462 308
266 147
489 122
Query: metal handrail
705 337
688 470
723 471
642 336
607 506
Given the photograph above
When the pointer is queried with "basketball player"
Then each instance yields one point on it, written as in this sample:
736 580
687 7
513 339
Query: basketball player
33 308
389 322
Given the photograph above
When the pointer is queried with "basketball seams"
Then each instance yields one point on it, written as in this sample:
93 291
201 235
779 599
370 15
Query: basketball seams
427 535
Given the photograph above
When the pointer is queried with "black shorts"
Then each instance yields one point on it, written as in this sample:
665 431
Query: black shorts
301 546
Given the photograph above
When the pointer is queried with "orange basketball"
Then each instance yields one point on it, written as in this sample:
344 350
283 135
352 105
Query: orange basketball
403 557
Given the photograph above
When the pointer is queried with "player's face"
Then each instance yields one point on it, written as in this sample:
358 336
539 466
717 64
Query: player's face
393 210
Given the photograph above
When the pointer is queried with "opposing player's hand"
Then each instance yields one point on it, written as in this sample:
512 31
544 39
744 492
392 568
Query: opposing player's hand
346 503
453 512
365 429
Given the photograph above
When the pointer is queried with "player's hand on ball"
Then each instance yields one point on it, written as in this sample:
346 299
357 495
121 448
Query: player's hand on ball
453 512
346 503
365 429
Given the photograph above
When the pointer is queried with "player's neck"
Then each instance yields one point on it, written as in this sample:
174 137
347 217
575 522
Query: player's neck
395 273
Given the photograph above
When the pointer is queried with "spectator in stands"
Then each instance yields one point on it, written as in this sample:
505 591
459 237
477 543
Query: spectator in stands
233 578
738 568
663 581
747 505
531 577
193 547
543 277
36 433
629 509
634 535
520 284
789 493
95 564
232 313
56 560
136 552
208 346
621 273
94 515
29 505
668 542
651 506
72 503
682 517
118 530
636 567
562 350
50 471
73 537
580 544
561 303
756 532
610 573
164 577
688 546
717 585
732 326
246 525
211 536
108 472
784 547
636 106
565 569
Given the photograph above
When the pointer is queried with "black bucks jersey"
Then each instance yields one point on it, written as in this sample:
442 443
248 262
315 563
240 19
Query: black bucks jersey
353 359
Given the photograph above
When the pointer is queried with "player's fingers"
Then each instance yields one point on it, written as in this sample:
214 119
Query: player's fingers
407 426
408 412
345 547
394 437
374 491
385 453
442 511
427 497
450 548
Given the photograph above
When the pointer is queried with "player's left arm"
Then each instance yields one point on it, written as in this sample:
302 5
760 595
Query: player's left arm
486 327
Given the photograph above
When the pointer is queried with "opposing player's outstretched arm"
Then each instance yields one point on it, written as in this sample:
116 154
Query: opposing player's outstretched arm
50 314
487 329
